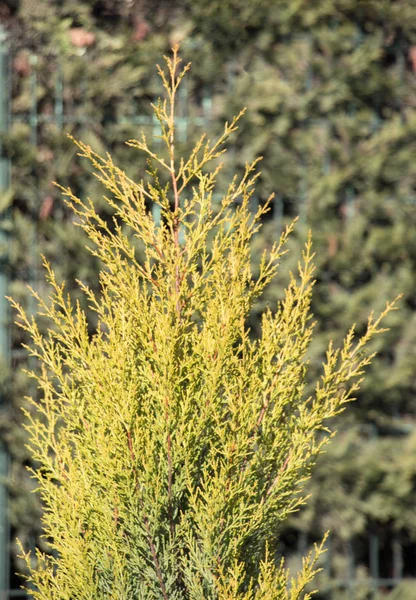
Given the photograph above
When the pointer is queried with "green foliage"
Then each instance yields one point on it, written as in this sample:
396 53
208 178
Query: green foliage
404 591
330 91
171 445
381 494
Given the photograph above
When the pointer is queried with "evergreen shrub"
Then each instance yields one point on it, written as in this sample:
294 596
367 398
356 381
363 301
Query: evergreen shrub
170 443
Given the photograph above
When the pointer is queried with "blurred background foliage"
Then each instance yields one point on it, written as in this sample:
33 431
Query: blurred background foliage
330 90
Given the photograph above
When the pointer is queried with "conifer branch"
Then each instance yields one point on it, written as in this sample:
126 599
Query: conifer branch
146 522
226 414
170 477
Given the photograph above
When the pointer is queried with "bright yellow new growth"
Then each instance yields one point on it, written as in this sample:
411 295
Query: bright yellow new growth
171 444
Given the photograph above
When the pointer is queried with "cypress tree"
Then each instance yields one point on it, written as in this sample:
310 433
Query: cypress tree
329 88
170 443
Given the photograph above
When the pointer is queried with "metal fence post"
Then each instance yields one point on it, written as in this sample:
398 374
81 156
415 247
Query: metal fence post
4 309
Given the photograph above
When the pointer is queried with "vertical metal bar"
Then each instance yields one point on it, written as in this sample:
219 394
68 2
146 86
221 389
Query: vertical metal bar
401 67
230 90
59 95
328 560
304 181
397 558
302 543
326 166
156 212
278 210
33 121
401 63
303 192
4 309
33 117
309 69
349 202
182 118
351 570
374 549
207 106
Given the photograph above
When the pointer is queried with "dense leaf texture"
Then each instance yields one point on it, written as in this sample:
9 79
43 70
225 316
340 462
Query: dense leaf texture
171 445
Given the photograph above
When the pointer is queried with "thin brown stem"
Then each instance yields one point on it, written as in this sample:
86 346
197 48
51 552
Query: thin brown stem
170 479
170 467
172 147
267 400
276 479
146 521
260 418
173 175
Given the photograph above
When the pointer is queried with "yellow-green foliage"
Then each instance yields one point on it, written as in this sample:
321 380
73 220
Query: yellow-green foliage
170 444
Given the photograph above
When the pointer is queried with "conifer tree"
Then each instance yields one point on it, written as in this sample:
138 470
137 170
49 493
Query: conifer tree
170 443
